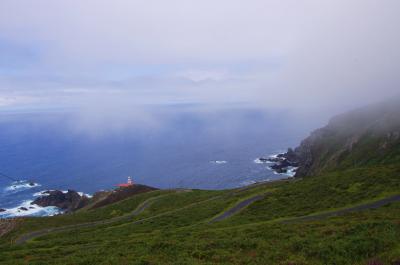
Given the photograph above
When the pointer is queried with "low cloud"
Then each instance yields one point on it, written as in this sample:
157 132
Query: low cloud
111 59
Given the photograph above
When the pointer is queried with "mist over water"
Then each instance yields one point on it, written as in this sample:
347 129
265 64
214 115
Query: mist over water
194 149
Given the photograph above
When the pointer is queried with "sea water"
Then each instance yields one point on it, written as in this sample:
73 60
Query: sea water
205 150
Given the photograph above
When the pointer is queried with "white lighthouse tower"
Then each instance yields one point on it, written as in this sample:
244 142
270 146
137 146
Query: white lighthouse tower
129 182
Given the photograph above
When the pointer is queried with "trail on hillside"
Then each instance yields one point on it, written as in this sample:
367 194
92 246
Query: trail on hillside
373 205
358 208
24 238
224 215
228 213
137 211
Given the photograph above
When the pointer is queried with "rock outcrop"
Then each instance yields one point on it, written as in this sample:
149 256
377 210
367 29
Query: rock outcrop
282 163
68 201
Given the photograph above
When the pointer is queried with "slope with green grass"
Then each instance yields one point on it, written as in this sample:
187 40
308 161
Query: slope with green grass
362 137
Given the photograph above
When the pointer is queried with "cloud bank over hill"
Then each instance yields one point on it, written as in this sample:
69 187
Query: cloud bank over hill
96 54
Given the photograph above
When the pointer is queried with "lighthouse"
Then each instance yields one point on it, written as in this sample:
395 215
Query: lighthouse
129 183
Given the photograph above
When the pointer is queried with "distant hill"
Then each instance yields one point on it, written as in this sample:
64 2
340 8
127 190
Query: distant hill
365 136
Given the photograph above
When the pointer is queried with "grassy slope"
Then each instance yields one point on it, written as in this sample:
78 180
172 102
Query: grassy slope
178 231
360 138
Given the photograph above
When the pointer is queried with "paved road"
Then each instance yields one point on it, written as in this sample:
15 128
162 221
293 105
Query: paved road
358 208
236 208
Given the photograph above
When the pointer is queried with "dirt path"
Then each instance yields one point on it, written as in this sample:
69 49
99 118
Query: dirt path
28 236
358 208
228 213
236 208
25 237
137 211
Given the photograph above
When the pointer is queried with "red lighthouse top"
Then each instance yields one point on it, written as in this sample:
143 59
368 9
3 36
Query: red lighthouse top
127 184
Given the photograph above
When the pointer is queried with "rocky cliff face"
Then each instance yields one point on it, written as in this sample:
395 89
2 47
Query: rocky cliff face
362 137
68 201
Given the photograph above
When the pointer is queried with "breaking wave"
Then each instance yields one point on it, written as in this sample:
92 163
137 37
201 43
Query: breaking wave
21 185
46 193
218 162
28 209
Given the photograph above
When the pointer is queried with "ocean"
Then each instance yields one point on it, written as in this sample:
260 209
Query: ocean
215 149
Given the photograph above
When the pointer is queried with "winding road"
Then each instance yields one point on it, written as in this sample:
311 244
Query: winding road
358 208
22 239
236 208
224 215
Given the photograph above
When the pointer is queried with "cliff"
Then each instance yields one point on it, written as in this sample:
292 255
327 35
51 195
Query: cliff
362 137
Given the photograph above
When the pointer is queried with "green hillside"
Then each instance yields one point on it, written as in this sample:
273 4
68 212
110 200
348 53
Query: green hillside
343 208
366 136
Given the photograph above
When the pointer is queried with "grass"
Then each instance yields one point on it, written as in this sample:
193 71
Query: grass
175 229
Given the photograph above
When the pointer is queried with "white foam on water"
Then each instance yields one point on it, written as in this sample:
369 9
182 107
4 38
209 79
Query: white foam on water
291 171
85 194
79 192
34 209
41 193
259 161
31 210
218 162
45 193
20 186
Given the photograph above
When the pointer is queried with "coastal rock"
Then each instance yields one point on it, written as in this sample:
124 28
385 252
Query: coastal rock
264 160
281 170
278 167
291 156
271 159
283 163
68 201
282 166
2 210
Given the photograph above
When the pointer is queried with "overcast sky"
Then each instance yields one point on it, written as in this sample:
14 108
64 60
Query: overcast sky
300 54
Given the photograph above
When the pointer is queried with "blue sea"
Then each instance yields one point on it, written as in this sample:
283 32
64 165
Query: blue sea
214 149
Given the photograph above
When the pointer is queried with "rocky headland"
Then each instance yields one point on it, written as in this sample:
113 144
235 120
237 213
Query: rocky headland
283 163
67 201
356 138
70 201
